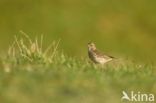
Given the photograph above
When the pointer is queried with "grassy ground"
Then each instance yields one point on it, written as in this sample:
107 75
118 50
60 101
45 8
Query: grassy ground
29 75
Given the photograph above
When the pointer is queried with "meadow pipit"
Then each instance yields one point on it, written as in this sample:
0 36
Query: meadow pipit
97 56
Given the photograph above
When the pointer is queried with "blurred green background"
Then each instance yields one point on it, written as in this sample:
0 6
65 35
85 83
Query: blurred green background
123 28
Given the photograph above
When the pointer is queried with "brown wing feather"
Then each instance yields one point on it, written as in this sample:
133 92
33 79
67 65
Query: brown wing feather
100 54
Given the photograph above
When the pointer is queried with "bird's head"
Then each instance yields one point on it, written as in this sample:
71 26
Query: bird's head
91 46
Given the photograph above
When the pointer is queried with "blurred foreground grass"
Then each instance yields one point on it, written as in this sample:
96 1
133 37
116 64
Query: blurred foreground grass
70 80
74 82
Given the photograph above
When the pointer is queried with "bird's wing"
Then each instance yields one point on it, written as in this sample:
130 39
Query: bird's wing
100 54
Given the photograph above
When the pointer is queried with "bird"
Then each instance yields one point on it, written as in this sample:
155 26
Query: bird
96 55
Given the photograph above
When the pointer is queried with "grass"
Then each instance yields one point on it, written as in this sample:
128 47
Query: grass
31 74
